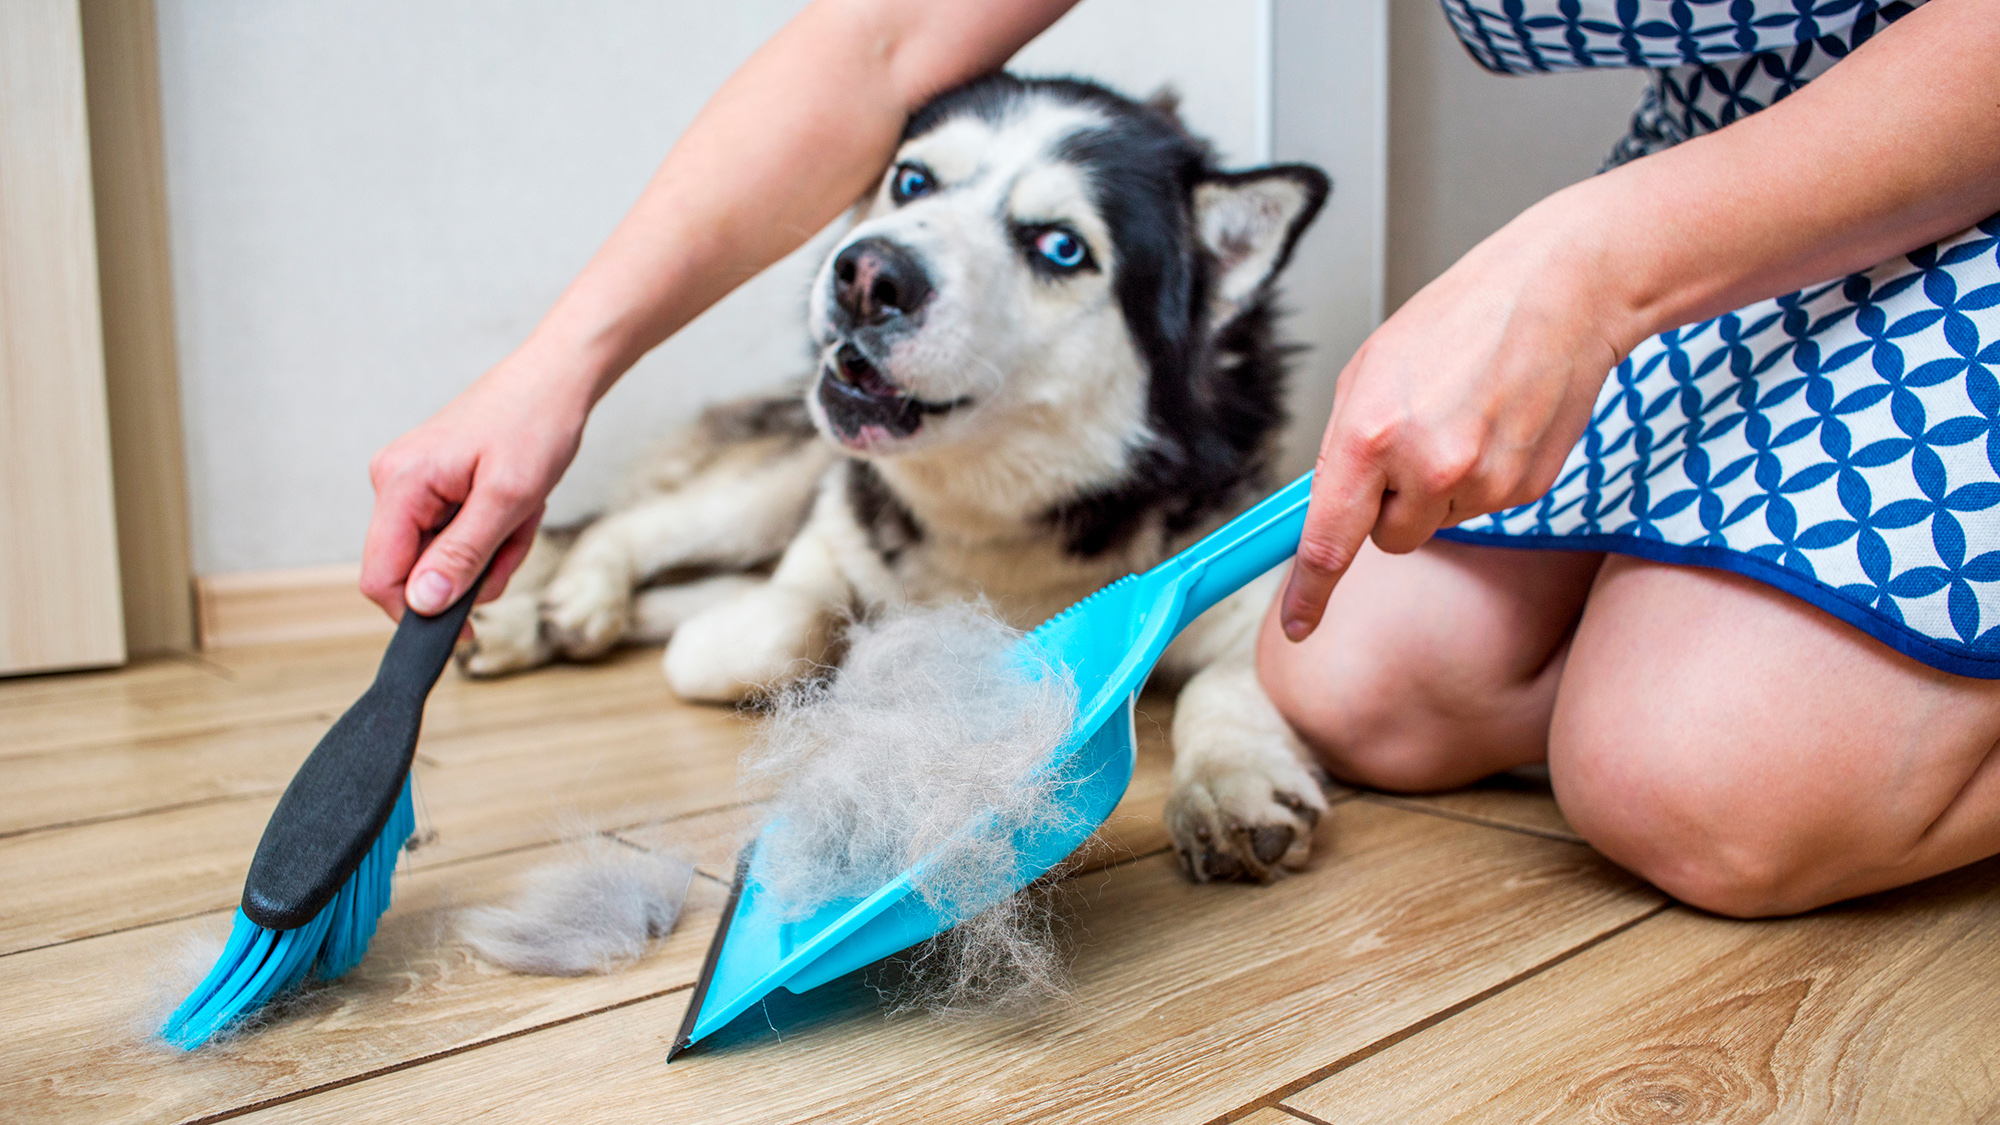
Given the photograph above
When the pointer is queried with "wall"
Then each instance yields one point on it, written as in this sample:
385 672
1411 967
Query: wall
372 201
1471 149
1329 107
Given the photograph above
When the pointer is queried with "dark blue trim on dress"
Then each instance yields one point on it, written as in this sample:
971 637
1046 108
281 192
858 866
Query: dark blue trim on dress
1895 634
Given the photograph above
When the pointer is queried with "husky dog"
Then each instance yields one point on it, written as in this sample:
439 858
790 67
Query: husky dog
1046 360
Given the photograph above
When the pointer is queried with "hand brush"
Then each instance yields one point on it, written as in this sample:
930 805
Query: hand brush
320 878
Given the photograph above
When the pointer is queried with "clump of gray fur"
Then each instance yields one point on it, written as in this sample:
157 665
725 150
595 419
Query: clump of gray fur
595 912
932 724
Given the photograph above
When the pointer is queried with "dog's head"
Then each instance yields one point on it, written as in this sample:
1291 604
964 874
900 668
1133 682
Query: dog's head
1044 253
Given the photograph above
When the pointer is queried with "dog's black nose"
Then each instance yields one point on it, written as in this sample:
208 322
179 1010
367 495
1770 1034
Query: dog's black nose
875 280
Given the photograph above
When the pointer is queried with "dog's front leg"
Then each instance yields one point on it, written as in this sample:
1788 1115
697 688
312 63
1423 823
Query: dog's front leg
507 632
737 513
766 636
1245 795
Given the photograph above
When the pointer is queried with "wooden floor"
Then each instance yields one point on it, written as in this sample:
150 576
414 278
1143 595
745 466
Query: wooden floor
1458 958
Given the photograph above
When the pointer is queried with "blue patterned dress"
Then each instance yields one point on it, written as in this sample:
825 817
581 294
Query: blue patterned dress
1839 443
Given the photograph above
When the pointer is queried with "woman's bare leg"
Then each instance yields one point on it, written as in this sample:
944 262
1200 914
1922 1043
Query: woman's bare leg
1431 669
1752 755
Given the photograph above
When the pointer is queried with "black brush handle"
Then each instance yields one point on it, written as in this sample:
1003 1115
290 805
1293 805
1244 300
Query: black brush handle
339 801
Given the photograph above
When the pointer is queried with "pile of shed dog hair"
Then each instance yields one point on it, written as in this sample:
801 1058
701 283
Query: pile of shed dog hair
933 724
596 911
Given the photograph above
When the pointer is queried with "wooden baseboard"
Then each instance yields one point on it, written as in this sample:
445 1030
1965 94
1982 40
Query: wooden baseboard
271 606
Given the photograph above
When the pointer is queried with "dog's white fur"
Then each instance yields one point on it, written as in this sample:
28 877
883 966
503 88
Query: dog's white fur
1058 406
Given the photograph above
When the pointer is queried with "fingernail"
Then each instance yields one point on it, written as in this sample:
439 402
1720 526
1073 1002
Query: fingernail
1296 629
430 593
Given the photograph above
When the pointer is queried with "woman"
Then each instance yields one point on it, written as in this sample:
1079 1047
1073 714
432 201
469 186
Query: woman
1804 714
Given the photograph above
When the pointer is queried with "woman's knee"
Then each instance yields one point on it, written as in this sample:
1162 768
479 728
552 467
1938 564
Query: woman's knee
1714 837
1689 746
1432 669
1372 722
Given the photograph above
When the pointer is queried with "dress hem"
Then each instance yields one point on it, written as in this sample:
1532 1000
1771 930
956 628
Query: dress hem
1897 635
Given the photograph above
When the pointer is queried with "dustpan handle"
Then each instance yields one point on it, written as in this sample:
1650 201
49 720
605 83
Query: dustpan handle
1228 558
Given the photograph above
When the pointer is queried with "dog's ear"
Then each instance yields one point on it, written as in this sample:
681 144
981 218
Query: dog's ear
1248 223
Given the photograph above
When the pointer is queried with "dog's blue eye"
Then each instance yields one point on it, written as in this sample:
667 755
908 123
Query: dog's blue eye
1062 248
909 182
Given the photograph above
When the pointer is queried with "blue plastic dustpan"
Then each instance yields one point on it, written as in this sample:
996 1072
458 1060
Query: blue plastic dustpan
1109 642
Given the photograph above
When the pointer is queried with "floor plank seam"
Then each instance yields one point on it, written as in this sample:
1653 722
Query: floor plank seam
146 925
129 741
1117 864
612 831
1388 801
406 1064
134 814
1275 1098
439 865
175 734
196 659
711 810
1302 1115
227 798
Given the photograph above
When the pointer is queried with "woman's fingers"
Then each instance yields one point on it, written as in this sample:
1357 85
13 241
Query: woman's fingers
508 559
1346 499
405 512
1408 520
451 564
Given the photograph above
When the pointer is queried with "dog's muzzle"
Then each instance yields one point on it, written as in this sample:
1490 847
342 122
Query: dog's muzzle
863 407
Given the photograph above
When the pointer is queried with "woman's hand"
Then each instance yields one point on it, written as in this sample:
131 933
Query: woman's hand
1467 400
486 463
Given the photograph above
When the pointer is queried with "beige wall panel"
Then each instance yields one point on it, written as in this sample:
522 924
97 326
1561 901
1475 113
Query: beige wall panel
121 64
1329 106
1471 149
59 596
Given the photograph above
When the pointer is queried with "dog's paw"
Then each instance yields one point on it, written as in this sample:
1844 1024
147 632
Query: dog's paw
506 637
1247 820
761 639
586 611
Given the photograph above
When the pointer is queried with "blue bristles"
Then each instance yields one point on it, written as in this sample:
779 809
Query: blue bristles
258 964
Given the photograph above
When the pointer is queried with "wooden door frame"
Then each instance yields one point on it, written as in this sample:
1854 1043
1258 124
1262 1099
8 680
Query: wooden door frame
59 589
135 290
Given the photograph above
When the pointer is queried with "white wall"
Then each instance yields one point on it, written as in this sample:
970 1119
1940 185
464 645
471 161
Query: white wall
372 201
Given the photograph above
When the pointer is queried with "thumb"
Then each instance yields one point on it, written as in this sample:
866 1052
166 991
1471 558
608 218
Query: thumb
454 560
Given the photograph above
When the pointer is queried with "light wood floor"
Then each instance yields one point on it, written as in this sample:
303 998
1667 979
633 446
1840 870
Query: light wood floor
1458 958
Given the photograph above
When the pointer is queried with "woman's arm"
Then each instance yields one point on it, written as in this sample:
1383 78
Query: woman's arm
790 140
1470 397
